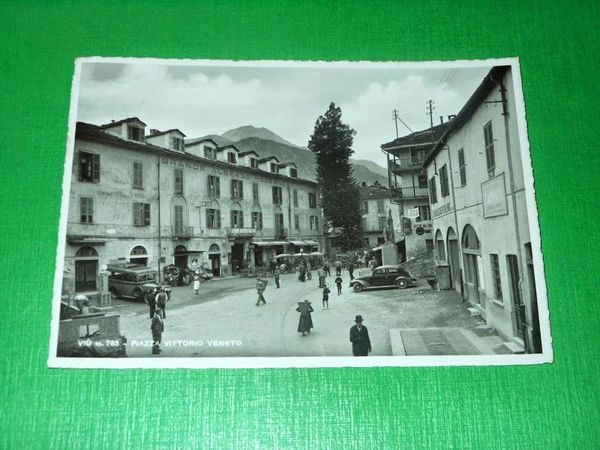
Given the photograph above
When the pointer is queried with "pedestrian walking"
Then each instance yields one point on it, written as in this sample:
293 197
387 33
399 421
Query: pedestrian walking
308 271
351 271
161 301
196 282
326 268
326 292
276 273
260 288
359 336
150 300
302 273
338 267
338 283
157 326
321 273
305 323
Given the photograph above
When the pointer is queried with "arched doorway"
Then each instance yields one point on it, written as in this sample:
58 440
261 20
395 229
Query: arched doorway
139 255
180 256
86 269
471 249
453 258
214 256
440 249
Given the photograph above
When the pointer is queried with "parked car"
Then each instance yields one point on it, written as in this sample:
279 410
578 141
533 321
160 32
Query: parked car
128 280
382 277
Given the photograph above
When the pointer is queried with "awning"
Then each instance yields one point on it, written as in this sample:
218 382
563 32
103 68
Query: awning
311 242
269 243
298 243
87 240
188 252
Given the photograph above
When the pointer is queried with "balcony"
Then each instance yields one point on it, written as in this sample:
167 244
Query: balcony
406 165
281 233
409 193
182 232
240 232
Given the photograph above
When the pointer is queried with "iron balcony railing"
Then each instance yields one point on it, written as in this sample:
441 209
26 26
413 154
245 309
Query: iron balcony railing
182 231
409 192
404 164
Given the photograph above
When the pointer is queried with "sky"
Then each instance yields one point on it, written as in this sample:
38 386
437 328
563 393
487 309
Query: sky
201 99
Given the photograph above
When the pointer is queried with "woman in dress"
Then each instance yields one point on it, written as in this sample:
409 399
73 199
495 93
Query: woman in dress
305 323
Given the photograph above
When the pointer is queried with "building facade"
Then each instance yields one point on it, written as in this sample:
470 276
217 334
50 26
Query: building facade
375 209
479 211
408 190
156 200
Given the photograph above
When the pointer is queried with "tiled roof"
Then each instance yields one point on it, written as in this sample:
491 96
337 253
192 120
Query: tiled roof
119 122
158 133
249 152
268 158
428 136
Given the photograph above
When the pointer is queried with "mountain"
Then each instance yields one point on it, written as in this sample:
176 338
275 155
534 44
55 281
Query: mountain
266 143
247 131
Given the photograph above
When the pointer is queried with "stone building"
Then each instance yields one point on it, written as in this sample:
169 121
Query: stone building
479 211
157 199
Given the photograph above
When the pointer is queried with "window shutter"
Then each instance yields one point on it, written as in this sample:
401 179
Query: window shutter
241 188
96 168
147 214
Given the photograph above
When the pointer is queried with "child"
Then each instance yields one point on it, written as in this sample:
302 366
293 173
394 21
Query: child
338 283
326 292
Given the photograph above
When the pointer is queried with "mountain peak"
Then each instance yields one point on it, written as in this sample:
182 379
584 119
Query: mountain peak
246 131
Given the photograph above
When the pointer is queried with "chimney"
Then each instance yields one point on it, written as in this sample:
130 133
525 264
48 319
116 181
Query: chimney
451 116
154 131
441 120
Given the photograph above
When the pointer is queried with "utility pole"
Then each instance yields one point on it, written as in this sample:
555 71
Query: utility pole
397 118
430 108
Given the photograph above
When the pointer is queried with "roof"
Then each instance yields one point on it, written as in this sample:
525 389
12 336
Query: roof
249 152
159 133
225 147
287 164
371 192
487 85
268 158
428 136
119 122
191 142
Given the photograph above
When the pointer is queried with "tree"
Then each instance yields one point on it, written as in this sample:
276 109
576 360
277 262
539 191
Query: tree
332 141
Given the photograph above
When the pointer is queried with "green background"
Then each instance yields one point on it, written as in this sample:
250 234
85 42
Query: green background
549 406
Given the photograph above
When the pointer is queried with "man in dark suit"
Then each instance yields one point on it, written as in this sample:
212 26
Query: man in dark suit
157 326
359 336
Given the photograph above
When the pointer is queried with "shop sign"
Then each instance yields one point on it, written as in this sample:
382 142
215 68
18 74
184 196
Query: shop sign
493 195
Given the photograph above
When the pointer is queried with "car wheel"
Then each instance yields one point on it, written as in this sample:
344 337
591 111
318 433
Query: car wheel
138 293
357 287
401 284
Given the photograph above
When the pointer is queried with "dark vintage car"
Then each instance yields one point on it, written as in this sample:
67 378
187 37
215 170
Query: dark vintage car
382 277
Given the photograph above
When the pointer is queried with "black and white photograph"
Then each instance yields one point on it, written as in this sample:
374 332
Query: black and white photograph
298 214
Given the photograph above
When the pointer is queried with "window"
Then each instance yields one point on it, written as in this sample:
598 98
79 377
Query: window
422 179
429 245
178 218
213 218
138 175
380 207
135 133
237 189
490 158
444 181
89 167
231 158
364 207
495 265
382 221
179 181
314 223
312 200
274 168
424 213
293 172
86 209
279 229
141 214
296 222
432 191
364 223
462 168
254 163
237 219
295 197
255 196
176 143
257 220
210 152
277 195
214 186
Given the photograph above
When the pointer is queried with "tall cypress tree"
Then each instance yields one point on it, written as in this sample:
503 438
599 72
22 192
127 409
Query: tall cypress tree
332 142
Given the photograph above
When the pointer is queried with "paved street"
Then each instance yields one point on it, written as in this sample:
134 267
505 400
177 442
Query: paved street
224 321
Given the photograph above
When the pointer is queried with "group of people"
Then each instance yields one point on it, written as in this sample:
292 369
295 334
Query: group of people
157 301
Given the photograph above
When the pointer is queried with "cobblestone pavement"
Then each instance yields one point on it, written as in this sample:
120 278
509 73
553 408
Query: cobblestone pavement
223 319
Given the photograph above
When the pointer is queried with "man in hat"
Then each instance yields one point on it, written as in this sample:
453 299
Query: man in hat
161 301
260 288
359 336
157 326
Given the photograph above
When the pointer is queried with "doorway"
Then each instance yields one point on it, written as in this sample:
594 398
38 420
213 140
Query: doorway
237 258
512 264
214 256
86 269
453 259
258 256
181 258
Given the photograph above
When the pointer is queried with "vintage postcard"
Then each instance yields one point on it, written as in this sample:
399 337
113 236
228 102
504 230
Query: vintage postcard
298 214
